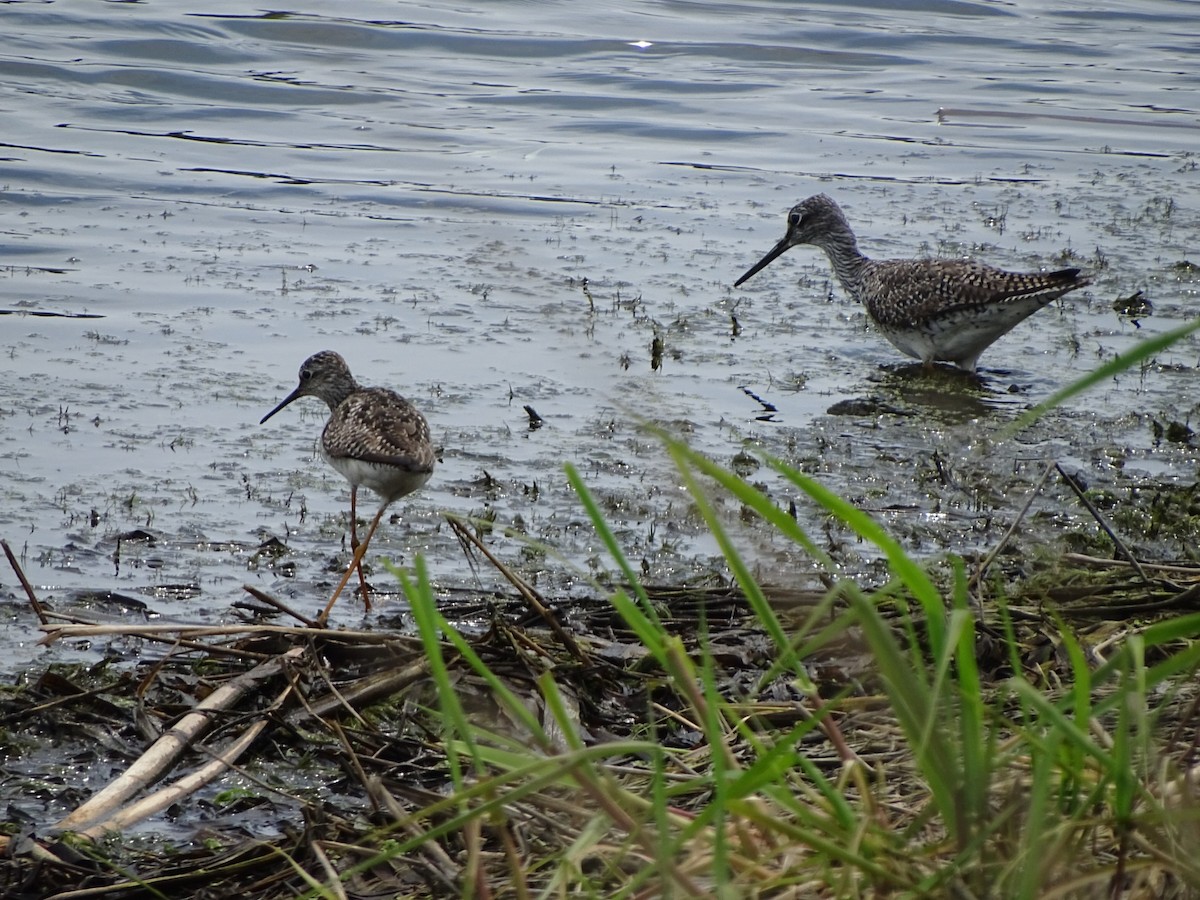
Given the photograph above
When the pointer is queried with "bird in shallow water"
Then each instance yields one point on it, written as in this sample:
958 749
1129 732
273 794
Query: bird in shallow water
946 310
374 437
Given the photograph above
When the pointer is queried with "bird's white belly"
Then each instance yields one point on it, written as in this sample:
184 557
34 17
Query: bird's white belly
916 344
958 338
389 482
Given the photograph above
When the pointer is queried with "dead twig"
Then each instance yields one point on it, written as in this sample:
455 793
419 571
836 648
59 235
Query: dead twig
1187 571
1112 535
166 636
438 865
77 630
532 597
163 753
177 790
366 689
973 584
264 597
16 567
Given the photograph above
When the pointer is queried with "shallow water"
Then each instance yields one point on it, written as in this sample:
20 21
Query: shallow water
497 205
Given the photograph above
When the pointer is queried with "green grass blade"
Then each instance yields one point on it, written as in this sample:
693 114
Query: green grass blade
916 708
687 462
1039 818
1141 351
902 565
428 620
609 539
975 745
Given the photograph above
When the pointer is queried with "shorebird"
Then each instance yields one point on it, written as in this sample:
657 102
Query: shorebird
948 310
374 437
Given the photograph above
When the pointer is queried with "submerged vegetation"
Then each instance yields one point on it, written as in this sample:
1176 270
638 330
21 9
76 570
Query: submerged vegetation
953 732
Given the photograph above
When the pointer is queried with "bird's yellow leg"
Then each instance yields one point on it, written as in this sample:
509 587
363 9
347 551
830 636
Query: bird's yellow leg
362 579
354 563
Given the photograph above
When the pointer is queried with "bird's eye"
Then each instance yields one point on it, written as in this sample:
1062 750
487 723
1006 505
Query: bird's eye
794 219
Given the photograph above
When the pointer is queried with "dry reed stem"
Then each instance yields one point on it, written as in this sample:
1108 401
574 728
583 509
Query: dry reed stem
161 755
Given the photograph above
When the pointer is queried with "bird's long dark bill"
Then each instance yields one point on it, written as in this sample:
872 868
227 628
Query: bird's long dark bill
764 262
286 400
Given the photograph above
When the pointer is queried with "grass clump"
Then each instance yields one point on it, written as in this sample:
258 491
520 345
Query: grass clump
937 778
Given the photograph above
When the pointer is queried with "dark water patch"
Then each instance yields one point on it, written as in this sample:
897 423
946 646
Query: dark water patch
946 116
239 141
48 314
52 150
105 604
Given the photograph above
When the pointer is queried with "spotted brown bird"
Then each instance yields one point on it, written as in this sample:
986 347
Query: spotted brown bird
374 437
931 309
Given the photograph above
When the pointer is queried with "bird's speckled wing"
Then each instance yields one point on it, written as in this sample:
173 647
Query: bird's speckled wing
904 292
377 425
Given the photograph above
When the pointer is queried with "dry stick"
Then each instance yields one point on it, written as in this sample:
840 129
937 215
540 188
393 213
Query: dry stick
264 597
366 689
516 865
473 881
243 772
352 758
32 711
1185 599
990 558
160 884
57 632
441 865
163 637
524 641
1190 571
1125 551
33 600
697 701
162 754
833 732
177 790
465 546
450 881
149 730
531 596
601 795
339 701
333 881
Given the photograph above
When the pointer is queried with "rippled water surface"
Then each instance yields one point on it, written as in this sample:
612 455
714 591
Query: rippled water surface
505 204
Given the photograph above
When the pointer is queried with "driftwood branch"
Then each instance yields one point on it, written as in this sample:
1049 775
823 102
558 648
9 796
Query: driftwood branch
163 753
176 791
